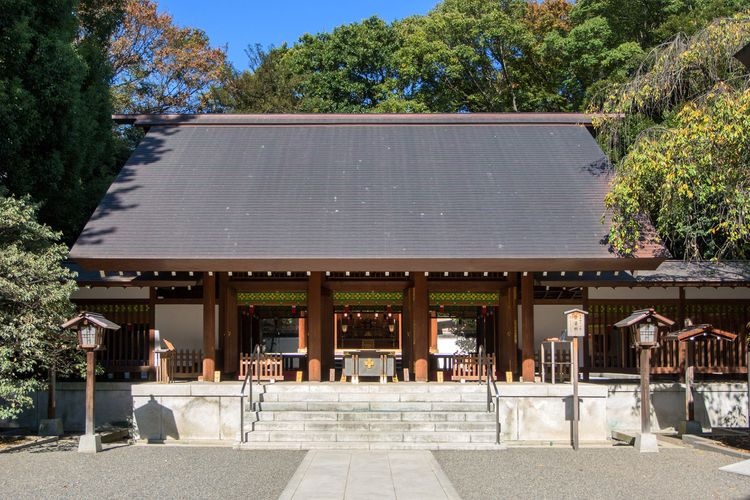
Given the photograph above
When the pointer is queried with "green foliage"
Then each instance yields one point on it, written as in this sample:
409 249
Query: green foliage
55 133
692 180
467 55
349 70
268 87
676 132
34 302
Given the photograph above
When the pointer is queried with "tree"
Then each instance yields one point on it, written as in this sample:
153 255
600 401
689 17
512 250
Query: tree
35 294
349 70
473 55
681 146
55 133
266 87
159 67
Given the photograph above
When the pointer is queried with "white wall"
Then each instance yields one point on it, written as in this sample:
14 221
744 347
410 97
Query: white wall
717 293
182 324
636 293
113 293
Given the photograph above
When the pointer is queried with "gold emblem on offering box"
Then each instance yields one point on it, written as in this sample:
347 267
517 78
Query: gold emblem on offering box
369 364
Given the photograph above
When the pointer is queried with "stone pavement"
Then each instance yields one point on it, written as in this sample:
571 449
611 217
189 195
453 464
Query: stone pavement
360 475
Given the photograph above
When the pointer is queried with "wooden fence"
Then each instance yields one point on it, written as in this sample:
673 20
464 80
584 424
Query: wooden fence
127 350
271 366
186 363
610 349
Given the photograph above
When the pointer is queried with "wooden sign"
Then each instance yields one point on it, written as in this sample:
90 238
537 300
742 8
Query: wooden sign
576 322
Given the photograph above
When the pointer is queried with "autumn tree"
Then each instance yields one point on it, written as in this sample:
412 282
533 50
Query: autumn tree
159 67
679 132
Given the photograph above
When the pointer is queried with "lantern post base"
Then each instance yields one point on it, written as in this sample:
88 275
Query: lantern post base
51 427
645 442
690 427
90 443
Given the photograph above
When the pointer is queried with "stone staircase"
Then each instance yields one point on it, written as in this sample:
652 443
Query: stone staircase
432 416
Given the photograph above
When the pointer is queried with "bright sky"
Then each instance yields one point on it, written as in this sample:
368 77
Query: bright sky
239 23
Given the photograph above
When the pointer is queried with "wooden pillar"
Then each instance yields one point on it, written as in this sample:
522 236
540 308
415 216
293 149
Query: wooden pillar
433 333
407 323
421 318
586 368
302 329
527 322
314 327
326 332
223 281
231 333
209 326
508 342
152 332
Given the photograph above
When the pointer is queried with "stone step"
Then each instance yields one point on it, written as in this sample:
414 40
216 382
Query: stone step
381 406
445 397
406 416
368 387
377 426
371 436
360 445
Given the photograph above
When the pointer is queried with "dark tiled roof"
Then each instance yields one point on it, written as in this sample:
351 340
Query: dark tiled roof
670 272
476 194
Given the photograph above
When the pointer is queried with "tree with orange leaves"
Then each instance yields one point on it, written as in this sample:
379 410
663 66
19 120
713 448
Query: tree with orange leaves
159 67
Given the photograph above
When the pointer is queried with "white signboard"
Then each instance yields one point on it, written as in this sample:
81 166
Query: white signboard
576 322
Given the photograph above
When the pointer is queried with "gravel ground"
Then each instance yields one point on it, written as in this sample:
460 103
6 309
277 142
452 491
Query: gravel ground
611 473
121 471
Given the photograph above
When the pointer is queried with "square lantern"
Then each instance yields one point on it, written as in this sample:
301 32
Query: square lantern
90 336
644 327
90 329
645 333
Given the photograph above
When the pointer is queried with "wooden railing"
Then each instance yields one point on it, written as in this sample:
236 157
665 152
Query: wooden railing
471 367
186 364
610 349
268 367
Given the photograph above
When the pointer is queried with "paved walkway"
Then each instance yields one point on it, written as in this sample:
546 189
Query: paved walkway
364 475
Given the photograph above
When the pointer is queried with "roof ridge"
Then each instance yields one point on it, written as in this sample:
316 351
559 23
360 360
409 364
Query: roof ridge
147 120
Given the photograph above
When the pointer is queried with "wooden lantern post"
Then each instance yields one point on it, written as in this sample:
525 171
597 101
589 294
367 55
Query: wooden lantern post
90 328
576 323
690 334
644 328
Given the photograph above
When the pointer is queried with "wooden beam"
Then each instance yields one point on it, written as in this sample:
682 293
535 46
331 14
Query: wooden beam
527 325
467 286
421 318
209 326
270 286
314 327
365 285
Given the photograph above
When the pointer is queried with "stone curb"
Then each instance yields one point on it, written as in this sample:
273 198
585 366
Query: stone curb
702 443
45 440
